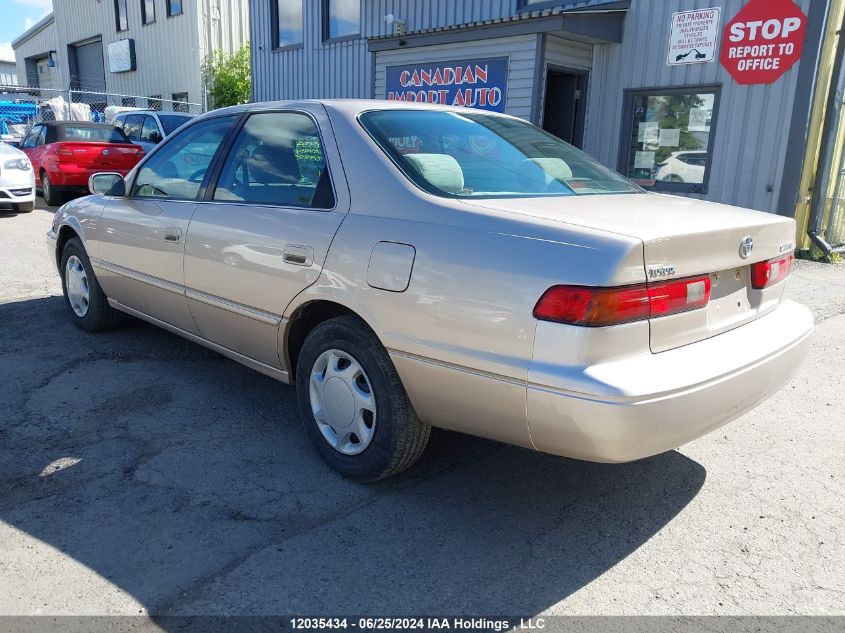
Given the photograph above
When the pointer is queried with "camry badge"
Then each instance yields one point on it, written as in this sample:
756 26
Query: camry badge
661 272
746 246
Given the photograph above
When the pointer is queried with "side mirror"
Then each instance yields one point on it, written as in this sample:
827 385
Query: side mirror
107 184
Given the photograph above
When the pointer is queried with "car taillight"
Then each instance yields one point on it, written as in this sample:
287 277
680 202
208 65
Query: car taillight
65 155
765 274
599 307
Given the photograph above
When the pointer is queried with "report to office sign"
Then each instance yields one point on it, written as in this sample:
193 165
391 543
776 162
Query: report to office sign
693 37
763 41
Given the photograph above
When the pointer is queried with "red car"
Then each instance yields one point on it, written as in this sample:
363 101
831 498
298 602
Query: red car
65 153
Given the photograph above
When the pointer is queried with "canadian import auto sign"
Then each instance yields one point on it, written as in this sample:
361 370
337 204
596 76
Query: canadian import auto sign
763 41
693 37
473 83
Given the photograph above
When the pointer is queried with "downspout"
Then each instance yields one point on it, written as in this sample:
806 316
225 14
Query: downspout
836 99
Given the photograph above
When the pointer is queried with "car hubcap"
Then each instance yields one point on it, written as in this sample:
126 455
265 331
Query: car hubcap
343 402
76 284
46 186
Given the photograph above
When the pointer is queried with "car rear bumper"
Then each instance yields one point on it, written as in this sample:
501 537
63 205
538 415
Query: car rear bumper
647 404
70 176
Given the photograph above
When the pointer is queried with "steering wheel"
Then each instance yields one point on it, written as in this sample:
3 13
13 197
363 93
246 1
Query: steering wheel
198 175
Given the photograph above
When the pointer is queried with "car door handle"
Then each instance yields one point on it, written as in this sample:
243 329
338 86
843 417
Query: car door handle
173 235
299 255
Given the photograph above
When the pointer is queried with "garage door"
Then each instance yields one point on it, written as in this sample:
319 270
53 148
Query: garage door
90 73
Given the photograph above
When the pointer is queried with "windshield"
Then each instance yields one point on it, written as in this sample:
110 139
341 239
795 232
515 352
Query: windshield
463 155
172 121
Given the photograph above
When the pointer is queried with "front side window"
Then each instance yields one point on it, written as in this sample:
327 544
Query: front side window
176 171
342 18
120 18
31 139
277 160
174 7
172 121
148 11
132 126
667 139
469 154
288 22
149 130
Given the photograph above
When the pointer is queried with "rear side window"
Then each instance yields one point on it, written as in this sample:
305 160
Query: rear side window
277 160
178 168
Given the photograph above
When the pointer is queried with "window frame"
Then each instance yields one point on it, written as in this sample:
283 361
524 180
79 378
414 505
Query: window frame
168 8
125 5
145 21
627 131
212 166
176 97
274 26
327 38
210 189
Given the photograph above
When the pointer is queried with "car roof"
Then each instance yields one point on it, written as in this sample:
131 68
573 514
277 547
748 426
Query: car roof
348 106
147 111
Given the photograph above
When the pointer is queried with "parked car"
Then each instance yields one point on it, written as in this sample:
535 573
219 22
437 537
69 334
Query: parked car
17 183
683 167
147 128
420 266
65 153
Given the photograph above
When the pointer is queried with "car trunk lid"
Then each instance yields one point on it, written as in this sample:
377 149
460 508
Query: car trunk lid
682 238
98 155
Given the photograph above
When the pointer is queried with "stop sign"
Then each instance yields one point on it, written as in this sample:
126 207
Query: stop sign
763 41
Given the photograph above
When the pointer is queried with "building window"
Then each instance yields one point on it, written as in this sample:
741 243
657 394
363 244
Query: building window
341 18
180 101
287 22
128 102
174 7
154 102
668 138
148 11
121 21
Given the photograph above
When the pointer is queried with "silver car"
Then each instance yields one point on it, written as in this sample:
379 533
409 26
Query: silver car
148 128
411 266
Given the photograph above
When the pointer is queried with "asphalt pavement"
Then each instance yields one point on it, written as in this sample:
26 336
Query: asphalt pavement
141 473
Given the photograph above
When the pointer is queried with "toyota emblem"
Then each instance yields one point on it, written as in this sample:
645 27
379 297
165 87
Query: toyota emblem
745 247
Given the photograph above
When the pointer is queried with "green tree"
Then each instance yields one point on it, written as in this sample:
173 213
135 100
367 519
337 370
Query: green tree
227 77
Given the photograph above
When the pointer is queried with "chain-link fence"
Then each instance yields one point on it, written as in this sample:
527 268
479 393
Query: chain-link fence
22 106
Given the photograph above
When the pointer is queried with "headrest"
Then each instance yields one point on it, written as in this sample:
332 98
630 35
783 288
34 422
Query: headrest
554 168
441 170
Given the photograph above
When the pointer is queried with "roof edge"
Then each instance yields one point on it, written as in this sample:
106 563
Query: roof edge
36 28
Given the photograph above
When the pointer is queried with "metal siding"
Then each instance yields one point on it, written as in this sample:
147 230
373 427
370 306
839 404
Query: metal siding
521 52
752 126
8 73
316 70
37 45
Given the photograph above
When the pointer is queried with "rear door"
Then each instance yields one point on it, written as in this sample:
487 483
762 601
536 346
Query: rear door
143 234
263 232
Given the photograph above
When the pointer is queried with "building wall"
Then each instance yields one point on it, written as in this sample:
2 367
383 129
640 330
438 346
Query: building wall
168 52
753 124
8 73
38 45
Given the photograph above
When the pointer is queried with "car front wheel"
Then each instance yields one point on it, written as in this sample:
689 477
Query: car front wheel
89 308
353 404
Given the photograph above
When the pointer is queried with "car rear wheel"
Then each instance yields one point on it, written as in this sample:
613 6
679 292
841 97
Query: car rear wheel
89 308
23 207
353 404
51 196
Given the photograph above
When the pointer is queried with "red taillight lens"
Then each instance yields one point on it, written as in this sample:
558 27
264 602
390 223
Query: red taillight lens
765 274
600 307
65 155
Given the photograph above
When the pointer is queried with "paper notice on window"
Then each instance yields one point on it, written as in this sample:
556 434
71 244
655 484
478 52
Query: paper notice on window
670 138
699 120
644 160
649 134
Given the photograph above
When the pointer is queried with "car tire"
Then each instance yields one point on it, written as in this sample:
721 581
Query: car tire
52 197
87 303
23 207
396 438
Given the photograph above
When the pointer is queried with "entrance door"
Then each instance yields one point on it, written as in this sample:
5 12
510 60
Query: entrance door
563 112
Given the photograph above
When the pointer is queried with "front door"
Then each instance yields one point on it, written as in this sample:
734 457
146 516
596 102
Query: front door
263 232
33 147
142 236
564 107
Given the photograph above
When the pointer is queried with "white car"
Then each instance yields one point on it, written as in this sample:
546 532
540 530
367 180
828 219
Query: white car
683 167
17 180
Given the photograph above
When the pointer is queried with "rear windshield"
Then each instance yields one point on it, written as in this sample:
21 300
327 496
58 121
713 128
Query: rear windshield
172 121
93 134
476 155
